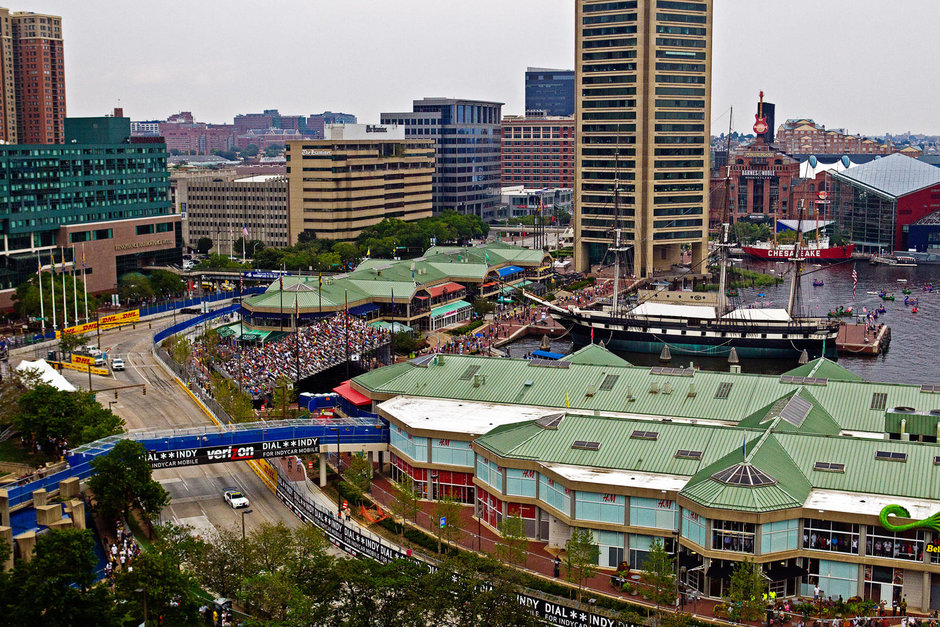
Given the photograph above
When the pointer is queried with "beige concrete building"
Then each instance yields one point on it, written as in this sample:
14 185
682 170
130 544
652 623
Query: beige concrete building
643 72
338 187
222 205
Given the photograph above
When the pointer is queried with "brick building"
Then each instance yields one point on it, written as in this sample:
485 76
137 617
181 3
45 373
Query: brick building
197 138
32 85
761 182
538 151
805 136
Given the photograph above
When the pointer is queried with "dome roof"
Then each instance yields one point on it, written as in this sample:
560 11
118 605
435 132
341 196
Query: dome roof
744 474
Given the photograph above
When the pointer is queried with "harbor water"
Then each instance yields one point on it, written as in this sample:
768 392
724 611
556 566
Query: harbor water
912 356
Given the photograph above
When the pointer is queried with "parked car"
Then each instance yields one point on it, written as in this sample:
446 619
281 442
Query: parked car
235 498
117 364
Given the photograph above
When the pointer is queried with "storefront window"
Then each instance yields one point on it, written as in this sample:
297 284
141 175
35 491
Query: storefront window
902 546
554 494
693 527
600 507
731 535
655 513
640 547
826 535
779 536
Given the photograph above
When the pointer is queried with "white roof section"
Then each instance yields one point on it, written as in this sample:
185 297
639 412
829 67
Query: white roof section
895 175
469 418
260 178
758 315
359 132
48 374
808 171
621 478
669 310
868 504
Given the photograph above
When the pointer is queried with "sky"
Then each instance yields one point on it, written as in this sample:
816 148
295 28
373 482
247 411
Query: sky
862 65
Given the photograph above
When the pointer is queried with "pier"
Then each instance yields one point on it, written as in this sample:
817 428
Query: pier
858 339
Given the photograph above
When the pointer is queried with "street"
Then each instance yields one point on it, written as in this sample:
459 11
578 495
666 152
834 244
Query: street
196 492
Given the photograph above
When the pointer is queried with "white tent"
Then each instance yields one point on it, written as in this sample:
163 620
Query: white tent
48 374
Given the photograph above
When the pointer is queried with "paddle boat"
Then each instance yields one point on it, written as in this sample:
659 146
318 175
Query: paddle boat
840 312
906 290
914 310
885 296
818 283
882 310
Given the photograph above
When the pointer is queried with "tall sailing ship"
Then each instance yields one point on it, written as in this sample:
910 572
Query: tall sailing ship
701 329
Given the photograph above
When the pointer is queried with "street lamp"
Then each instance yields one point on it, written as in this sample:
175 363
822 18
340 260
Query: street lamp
339 497
243 512
111 403
143 594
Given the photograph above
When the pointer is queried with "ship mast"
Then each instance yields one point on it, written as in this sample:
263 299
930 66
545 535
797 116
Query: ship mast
616 234
795 282
725 229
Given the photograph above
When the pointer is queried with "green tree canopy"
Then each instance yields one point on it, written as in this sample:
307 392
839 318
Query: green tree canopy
26 297
659 575
134 287
169 592
45 412
512 544
122 479
746 592
204 245
581 555
166 283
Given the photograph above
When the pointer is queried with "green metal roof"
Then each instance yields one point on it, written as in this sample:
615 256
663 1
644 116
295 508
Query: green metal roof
596 355
443 310
824 368
848 403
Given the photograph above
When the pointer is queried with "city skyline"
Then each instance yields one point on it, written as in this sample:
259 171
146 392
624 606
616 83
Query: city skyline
218 63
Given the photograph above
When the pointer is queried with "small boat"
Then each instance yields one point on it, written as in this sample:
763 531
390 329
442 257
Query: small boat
818 283
902 280
906 290
882 310
874 293
732 293
887 296
914 310
840 312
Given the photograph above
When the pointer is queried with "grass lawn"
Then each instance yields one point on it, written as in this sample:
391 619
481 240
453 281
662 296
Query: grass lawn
11 451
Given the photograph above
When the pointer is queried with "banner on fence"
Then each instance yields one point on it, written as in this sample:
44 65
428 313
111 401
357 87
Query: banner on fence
80 328
125 317
232 453
104 372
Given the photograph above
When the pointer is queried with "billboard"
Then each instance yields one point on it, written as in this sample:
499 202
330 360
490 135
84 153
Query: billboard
232 452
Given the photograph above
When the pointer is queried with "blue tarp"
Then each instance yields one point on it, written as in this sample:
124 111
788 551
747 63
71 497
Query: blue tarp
509 270
363 310
547 354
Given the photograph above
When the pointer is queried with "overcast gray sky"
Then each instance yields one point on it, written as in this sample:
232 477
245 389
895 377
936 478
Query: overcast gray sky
865 65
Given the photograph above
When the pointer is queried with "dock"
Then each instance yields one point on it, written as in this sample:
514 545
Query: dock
858 339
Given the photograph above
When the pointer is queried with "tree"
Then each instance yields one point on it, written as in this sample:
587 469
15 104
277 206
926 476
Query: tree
45 413
231 398
581 555
222 561
68 342
659 576
204 245
482 306
134 287
473 590
448 509
26 297
122 479
373 594
166 283
165 590
273 150
281 398
177 542
513 545
12 387
404 343
745 594
250 150
179 348
359 474
56 586
267 258
407 500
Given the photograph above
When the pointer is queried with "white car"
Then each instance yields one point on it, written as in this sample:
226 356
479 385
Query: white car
117 364
235 498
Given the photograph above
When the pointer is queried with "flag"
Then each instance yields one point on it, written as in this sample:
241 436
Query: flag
281 279
39 264
320 280
854 280
369 252
592 335
567 403
486 255
744 447
244 230
52 261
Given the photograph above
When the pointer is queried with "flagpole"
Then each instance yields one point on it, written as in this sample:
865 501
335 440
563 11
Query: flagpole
346 327
74 286
52 286
84 283
42 307
65 302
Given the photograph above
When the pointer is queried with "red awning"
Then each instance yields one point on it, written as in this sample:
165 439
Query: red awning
345 390
449 287
489 284
420 297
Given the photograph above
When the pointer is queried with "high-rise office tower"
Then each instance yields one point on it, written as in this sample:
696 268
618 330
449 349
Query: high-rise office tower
467 151
643 71
32 78
551 91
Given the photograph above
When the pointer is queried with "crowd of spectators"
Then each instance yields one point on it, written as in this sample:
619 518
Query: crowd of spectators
121 552
323 344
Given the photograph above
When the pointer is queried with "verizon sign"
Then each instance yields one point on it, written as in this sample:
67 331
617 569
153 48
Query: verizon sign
241 452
